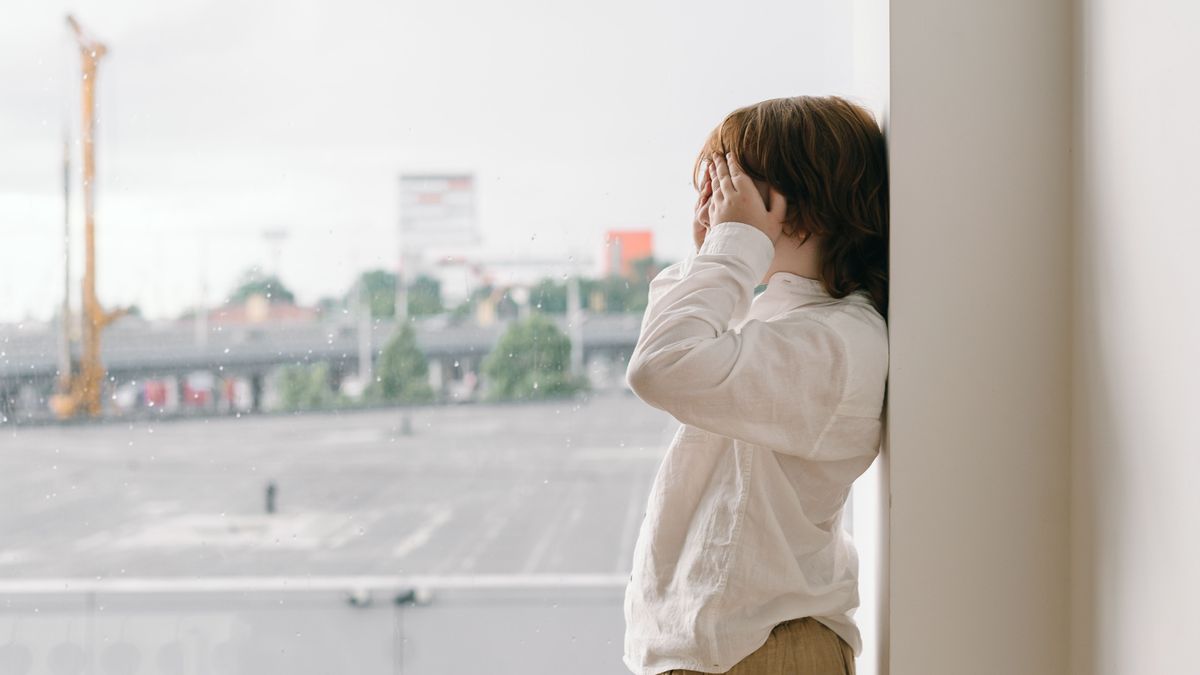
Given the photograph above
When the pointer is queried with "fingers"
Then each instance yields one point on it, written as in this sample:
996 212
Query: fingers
735 169
732 178
705 194
723 176
740 180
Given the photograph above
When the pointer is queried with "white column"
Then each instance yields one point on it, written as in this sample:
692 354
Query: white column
979 124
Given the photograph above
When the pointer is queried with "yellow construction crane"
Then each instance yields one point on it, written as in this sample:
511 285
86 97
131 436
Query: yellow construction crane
81 391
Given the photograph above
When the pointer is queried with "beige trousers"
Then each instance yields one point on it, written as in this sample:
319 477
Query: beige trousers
797 647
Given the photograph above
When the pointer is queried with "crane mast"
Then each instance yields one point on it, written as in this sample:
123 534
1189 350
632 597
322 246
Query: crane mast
81 391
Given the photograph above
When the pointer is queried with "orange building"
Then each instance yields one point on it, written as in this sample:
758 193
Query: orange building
622 247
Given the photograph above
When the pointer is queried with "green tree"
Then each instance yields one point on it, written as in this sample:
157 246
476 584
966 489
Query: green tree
620 294
402 374
549 296
330 306
506 307
645 269
531 361
303 387
380 289
254 282
627 294
424 296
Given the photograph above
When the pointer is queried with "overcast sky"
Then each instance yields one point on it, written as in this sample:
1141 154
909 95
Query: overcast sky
220 119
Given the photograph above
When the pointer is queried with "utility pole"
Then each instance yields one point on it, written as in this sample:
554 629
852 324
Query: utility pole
85 386
275 238
200 320
64 325
402 287
365 351
575 323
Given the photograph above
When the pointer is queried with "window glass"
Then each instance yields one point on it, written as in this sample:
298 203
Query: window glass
366 277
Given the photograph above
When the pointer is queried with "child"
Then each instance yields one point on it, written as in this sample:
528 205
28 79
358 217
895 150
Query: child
742 564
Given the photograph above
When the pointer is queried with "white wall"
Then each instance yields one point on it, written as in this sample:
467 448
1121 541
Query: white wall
980 122
1136 463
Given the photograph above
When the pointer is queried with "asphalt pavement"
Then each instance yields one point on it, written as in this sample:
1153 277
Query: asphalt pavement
555 487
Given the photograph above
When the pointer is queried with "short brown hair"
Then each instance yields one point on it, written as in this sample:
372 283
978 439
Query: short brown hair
826 155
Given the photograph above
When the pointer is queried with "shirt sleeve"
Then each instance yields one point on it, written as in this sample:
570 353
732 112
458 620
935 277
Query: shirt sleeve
776 384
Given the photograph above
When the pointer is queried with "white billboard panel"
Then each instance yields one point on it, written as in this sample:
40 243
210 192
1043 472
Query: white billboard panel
437 210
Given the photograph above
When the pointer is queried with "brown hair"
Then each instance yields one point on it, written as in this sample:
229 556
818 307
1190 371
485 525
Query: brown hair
826 155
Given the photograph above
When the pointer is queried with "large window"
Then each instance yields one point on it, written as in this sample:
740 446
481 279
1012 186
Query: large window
368 274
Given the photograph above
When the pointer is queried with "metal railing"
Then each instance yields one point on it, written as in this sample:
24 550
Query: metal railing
415 625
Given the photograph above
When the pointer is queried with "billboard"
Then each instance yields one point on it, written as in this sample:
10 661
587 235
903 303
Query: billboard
437 210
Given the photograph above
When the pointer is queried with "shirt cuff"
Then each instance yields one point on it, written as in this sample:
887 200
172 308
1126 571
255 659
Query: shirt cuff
742 240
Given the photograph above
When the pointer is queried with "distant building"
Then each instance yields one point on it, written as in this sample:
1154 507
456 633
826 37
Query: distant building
624 247
457 275
258 309
464 271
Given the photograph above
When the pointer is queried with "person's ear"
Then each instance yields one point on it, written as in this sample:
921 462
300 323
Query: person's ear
802 237
764 191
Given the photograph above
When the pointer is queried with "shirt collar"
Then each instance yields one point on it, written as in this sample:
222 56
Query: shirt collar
796 284
800 290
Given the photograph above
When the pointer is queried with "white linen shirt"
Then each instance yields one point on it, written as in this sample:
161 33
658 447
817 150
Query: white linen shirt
780 397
